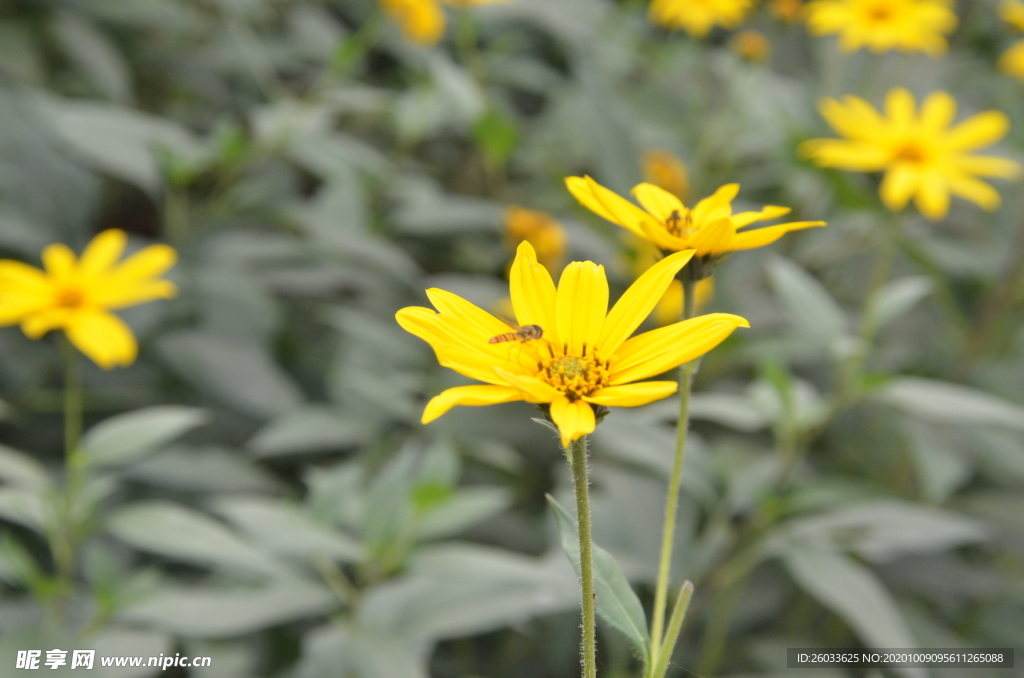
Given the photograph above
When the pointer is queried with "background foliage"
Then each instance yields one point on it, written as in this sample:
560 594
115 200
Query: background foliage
258 486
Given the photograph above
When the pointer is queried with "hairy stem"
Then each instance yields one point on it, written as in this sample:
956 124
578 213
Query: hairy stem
578 457
672 501
64 534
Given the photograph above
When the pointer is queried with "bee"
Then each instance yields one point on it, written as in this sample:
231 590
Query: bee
523 334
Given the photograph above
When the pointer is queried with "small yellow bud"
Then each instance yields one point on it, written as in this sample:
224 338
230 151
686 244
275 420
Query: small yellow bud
751 45
666 171
539 229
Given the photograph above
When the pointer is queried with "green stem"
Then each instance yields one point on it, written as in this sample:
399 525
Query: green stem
65 533
675 625
578 459
672 501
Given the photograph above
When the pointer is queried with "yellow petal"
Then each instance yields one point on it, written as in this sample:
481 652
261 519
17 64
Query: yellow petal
937 111
59 260
573 419
900 182
105 249
580 189
989 166
978 131
14 311
767 212
138 293
858 156
148 262
613 207
714 238
633 395
532 292
468 395
760 237
932 197
18 279
467 355
899 106
657 201
659 350
453 305
581 303
717 200
38 324
637 302
103 337
531 388
976 191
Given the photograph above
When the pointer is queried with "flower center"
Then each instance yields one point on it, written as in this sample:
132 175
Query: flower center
574 376
880 12
679 225
910 152
69 297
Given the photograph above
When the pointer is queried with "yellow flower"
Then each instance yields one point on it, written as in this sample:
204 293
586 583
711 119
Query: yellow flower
922 156
584 358
1012 60
751 45
883 25
670 306
423 21
787 10
710 227
76 295
698 17
540 230
665 170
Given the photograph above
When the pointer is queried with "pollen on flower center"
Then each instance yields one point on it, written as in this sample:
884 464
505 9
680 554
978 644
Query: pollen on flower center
910 152
679 225
576 377
69 297
880 12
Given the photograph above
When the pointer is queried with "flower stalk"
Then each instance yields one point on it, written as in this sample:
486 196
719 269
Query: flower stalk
672 500
577 454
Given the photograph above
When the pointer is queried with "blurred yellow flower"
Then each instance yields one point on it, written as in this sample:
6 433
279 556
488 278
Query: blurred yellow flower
670 307
883 25
423 21
76 295
710 227
665 170
698 17
583 357
787 10
1012 60
751 45
540 230
922 156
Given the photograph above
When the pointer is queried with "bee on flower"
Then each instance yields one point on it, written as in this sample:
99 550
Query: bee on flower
579 356
709 228
884 25
76 295
922 156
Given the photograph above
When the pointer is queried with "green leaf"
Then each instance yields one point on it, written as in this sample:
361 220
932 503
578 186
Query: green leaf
853 592
21 470
285 530
946 403
461 510
898 297
617 604
496 136
23 506
184 534
812 310
133 435
209 612
310 429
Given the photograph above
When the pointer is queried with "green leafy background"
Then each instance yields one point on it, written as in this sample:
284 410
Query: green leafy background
259 488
